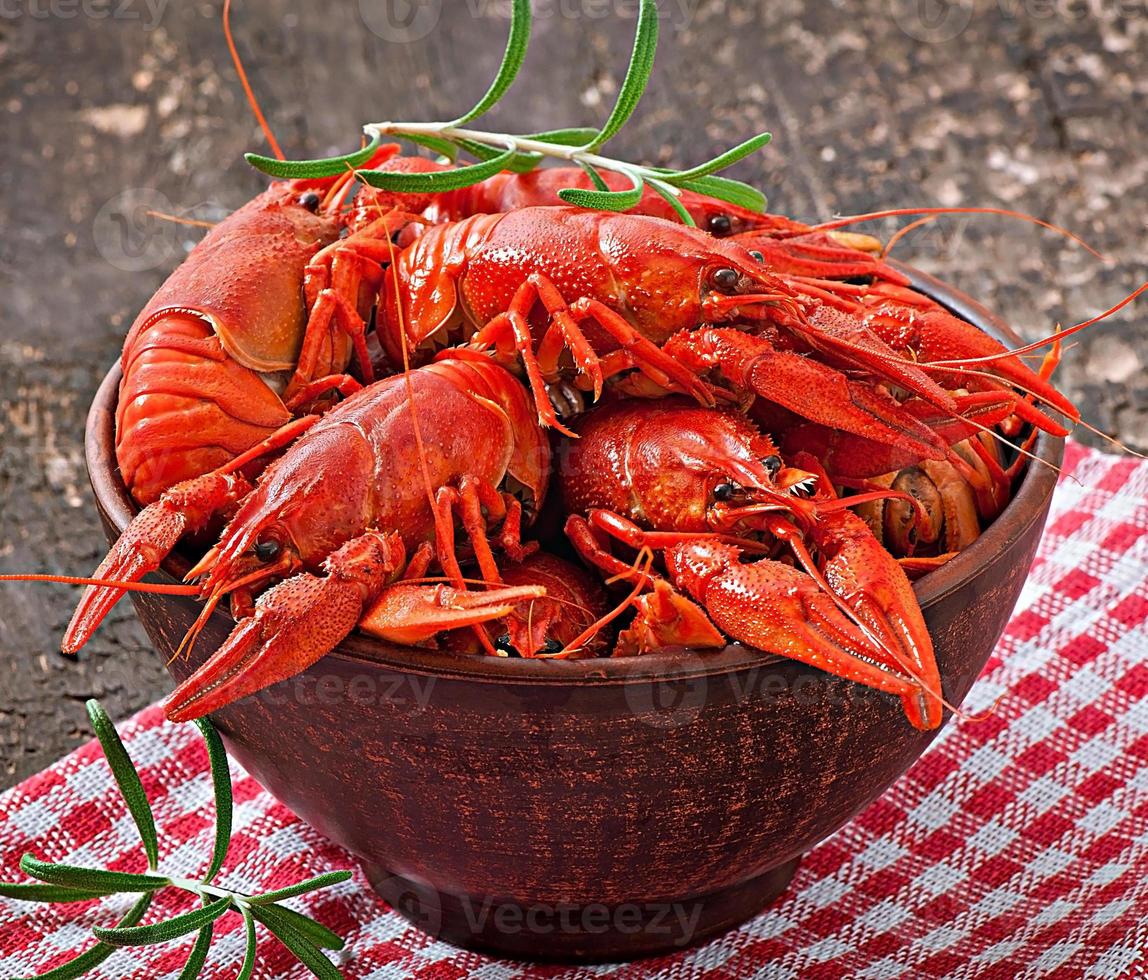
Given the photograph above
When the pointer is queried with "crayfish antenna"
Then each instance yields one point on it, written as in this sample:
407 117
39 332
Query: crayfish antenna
1057 336
900 233
151 588
1112 440
247 89
176 219
844 222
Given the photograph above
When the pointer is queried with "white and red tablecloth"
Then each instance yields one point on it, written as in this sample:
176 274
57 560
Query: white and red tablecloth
1016 847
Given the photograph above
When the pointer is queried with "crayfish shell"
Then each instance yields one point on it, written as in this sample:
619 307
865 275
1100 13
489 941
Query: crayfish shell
952 519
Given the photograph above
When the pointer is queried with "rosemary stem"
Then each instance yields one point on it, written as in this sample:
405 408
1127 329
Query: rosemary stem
520 144
203 890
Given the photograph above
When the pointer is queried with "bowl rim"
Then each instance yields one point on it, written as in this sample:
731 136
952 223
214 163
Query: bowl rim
1026 507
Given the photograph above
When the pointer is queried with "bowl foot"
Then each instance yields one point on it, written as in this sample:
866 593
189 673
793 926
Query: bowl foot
592 933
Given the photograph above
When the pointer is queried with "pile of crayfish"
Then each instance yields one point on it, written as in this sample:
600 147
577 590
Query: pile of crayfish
759 431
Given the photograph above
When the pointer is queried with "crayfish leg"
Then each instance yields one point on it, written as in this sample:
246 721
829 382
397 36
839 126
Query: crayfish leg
666 618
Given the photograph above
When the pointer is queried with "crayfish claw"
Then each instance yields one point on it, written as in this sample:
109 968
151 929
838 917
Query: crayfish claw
295 624
147 541
666 618
778 609
410 614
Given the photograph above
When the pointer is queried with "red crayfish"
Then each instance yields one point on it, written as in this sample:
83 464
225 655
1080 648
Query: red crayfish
341 518
752 362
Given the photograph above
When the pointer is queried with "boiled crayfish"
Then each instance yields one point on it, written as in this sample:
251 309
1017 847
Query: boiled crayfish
704 487
338 514
335 513
349 499
249 333
747 367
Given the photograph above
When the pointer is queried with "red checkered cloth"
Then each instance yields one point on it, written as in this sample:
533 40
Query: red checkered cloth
1016 847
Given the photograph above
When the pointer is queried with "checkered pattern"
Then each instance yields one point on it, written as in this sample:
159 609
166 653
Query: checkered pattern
1017 847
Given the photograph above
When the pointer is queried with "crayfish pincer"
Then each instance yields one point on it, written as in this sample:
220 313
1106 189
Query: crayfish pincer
367 496
711 493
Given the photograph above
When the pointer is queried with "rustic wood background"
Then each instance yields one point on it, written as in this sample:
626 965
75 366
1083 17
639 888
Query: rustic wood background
110 107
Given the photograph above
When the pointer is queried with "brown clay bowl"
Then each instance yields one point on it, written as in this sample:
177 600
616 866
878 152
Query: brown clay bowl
589 810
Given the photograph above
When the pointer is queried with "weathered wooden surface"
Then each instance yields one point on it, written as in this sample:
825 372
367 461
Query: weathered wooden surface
112 106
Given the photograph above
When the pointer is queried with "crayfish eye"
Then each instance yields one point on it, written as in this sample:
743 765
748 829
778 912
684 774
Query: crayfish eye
725 279
720 224
725 491
310 201
772 463
268 549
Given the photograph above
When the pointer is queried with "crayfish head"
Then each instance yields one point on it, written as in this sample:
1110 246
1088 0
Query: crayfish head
703 469
574 600
764 485
736 286
674 277
719 218
326 195
311 207
225 571
309 503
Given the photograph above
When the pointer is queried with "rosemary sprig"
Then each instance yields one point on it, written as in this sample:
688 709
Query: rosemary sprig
506 151
67 883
